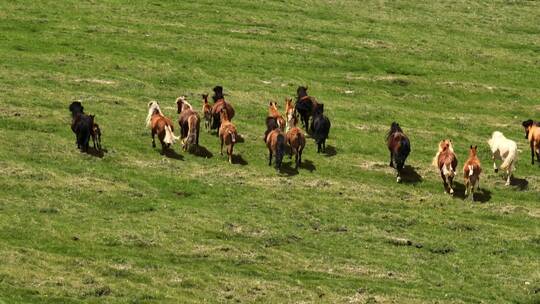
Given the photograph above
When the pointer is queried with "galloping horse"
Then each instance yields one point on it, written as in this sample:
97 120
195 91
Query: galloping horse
96 134
81 125
274 113
504 149
320 128
304 105
227 134
160 125
471 172
296 140
446 161
399 146
289 113
189 122
275 141
532 133
207 112
219 104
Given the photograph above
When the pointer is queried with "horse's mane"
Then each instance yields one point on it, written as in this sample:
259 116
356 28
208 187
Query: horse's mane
185 105
394 128
153 108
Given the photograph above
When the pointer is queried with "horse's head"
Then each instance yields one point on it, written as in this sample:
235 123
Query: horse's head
446 144
205 98
527 124
218 93
473 152
180 104
76 107
302 91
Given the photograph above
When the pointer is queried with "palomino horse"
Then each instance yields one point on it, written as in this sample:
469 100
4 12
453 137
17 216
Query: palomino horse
296 140
189 122
160 125
227 134
96 134
471 172
320 128
532 133
207 112
274 113
219 104
275 141
81 125
289 113
399 146
506 150
304 105
446 161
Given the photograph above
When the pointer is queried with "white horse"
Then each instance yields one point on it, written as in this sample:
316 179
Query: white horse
506 150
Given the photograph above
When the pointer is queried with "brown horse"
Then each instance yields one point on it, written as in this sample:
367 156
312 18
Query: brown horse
274 113
532 133
399 147
219 104
275 141
305 105
446 161
227 134
296 141
95 132
207 112
189 122
289 113
471 172
160 125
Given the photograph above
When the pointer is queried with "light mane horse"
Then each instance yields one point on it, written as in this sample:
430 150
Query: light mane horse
446 162
289 114
506 150
189 122
160 125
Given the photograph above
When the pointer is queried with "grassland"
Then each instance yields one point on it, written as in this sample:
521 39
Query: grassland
138 227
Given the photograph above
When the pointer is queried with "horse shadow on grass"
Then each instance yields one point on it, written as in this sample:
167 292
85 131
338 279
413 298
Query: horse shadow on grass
201 151
170 153
96 153
239 160
520 183
481 195
330 151
410 176
288 169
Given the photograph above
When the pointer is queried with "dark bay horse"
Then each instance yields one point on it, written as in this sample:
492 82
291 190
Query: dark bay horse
320 128
81 125
304 105
399 147
219 104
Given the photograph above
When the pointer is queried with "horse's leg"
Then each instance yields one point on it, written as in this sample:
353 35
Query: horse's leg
451 184
508 175
270 157
445 184
297 158
391 159
153 138
532 152
324 145
494 164
221 150
230 152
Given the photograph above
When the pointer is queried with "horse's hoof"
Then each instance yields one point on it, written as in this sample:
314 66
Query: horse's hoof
496 170
398 179
451 191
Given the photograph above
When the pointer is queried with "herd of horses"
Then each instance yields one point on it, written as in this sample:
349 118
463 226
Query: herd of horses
283 132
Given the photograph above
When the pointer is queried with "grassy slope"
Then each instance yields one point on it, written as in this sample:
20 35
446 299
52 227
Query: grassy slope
138 227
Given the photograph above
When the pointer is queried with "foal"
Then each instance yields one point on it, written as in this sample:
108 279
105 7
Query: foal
227 134
471 172
297 141
274 113
275 141
160 125
304 105
219 104
532 133
399 147
446 161
189 122
504 149
96 134
207 112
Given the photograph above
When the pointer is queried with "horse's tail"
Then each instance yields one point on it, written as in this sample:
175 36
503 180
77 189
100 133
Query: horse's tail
403 152
192 132
169 135
233 136
447 170
508 162
280 149
435 161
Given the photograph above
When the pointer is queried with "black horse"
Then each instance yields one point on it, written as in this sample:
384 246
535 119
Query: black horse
304 106
81 125
399 146
320 128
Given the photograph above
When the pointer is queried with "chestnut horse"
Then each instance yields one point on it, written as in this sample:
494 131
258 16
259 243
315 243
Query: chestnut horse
471 172
189 122
399 147
446 161
219 104
304 105
207 112
160 125
532 133
227 134
274 113
275 141
296 140
289 113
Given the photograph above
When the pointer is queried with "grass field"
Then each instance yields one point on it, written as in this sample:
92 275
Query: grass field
138 227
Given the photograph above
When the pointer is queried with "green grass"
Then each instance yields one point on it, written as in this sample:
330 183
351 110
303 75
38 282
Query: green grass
138 227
